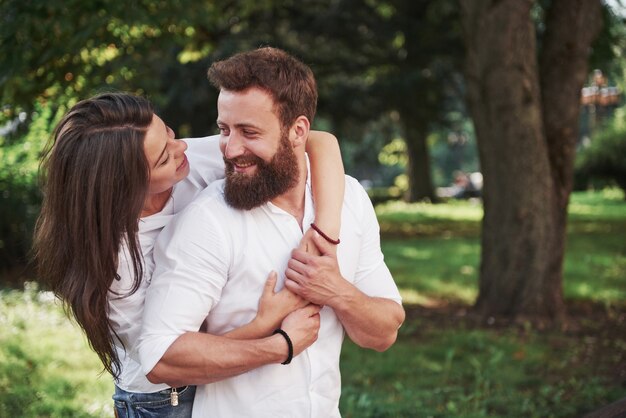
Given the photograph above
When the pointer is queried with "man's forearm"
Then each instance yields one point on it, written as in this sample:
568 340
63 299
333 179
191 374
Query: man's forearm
197 358
369 321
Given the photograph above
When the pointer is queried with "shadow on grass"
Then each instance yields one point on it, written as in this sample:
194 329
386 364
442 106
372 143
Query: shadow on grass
449 363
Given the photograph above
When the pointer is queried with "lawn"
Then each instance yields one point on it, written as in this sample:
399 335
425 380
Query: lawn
446 363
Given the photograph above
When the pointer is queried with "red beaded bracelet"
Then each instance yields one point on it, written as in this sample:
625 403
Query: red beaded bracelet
326 237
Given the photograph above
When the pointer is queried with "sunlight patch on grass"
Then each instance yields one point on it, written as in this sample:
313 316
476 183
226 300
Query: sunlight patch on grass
43 353
454 210
583 290
457 291
607 204
416 254
613 193
413 297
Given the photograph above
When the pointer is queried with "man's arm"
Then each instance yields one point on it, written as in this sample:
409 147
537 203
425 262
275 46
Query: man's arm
369 305
197 358
371 322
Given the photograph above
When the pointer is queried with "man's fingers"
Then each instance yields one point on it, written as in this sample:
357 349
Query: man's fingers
323 246
300 255
293 286
298 266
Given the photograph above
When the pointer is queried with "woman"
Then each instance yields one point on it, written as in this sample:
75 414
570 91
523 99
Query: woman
110 187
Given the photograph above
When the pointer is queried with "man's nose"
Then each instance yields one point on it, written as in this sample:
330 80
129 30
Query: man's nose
234 146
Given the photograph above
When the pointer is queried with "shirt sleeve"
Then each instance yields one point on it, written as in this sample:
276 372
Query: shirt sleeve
372 276
205 159
192 262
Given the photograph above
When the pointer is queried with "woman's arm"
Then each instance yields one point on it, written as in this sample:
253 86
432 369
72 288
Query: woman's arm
197 359
327 179
273 308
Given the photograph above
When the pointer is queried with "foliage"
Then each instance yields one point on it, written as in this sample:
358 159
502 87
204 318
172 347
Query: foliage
605 157
20 198
609 50
384 54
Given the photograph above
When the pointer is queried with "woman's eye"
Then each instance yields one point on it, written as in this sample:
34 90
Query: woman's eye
166 160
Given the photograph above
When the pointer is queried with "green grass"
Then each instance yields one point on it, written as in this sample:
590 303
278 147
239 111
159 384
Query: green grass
458 372
429 269
46 368
445 363
440 259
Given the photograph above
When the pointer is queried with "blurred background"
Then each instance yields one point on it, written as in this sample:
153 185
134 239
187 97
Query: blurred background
491 137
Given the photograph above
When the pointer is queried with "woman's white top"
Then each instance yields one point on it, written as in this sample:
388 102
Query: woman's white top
126 312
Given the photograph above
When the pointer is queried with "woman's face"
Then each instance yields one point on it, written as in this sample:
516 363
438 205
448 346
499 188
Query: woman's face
166 157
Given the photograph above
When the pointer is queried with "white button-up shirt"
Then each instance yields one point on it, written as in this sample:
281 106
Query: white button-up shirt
213 261
206 165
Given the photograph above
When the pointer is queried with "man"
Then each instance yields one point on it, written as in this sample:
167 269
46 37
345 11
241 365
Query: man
214 257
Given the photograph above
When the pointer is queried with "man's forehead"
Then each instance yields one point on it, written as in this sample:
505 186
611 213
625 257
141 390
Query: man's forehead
246 107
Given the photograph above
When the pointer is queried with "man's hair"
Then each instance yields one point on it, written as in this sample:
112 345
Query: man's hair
290 82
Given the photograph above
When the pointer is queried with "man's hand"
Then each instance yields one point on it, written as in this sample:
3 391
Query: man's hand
307 244
317 278
302 326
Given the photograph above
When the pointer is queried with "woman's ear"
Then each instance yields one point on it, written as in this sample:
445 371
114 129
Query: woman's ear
300 131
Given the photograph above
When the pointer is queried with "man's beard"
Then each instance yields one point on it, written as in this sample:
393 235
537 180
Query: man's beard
271 179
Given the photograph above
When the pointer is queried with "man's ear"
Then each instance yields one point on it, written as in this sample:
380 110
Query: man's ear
300 131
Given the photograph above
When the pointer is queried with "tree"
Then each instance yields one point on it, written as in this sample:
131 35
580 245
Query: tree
373 58
525 107
60 51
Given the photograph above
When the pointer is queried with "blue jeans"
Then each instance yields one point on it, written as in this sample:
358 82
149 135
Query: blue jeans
153 405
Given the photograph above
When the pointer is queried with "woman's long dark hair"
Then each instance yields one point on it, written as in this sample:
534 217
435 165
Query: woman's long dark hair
95 179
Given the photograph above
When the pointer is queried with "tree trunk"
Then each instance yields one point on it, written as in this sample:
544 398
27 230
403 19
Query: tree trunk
505 103
526 131
571 27
418 167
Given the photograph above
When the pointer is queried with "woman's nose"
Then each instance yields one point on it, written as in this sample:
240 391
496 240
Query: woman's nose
179 145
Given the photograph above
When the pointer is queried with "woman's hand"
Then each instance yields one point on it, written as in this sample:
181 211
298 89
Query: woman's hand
275 306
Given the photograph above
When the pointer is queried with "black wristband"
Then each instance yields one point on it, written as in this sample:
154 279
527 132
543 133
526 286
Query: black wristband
289 345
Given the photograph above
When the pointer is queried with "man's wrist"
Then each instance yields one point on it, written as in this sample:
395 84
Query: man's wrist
345 297
279 348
